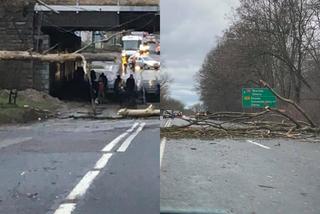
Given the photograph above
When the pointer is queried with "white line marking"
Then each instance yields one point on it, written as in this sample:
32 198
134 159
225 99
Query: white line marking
113 143
167 123
102 162
258 144
12 141
66 208
127 142
162 146
81 188
133 127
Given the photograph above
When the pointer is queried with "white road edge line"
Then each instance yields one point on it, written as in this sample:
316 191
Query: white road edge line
12 141
127 142
81 188
66 208
113 143
162 146
258 144
102 162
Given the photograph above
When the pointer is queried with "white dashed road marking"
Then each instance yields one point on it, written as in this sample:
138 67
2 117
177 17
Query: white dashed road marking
258 144
102 162
66 208
81 188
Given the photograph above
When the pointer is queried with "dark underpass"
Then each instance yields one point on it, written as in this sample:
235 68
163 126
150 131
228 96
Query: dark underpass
59 30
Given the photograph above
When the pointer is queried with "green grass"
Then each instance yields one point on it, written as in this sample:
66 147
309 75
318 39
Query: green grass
21 102
10 113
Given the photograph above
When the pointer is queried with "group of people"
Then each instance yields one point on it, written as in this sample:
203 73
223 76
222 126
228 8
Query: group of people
99 86
121 89
125 90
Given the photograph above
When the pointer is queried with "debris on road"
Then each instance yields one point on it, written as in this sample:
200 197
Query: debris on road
265 186
148 112
32 195
269 123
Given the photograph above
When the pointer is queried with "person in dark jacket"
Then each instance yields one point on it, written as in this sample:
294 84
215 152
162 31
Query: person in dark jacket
101 86
94 84
130 88
118 87
130 84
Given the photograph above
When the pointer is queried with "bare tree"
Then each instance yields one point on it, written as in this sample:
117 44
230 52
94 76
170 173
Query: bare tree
277 41
285 31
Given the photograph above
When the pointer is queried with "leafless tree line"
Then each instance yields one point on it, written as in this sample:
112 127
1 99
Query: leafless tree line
166 101
274 40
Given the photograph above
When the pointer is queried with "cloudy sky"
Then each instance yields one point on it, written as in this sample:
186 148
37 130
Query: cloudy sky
189 29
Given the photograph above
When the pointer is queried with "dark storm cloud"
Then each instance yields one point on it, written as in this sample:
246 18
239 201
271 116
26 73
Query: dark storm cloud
189 29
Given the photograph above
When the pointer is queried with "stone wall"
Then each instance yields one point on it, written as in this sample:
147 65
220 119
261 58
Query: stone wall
16 33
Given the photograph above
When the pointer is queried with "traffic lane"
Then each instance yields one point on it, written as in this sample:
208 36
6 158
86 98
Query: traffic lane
241 177
38 173
130 181
169 122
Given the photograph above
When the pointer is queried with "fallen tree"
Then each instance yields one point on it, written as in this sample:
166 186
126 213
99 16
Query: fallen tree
269 123
147 112
59 57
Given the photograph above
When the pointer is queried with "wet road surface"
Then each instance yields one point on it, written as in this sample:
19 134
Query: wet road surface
80 166
240 176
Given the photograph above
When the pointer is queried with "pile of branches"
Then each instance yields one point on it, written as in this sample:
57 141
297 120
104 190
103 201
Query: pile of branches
269 123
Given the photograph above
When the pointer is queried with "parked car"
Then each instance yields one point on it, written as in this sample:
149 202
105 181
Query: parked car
146 62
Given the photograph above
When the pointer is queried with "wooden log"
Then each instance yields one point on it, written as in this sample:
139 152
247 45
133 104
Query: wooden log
148 112
25 56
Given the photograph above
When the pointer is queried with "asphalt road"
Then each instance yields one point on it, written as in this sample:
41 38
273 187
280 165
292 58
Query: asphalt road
82 166
240 176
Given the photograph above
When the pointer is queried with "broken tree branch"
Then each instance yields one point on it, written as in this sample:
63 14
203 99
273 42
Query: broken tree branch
285 115
305 115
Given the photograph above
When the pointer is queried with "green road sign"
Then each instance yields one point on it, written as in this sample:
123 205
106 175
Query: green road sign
258 98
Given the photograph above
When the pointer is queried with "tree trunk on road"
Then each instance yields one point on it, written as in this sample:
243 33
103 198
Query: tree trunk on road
25 56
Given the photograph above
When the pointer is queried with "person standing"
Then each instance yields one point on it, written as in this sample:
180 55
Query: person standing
118 87
101 86
94 84
130 88
134 61
124 62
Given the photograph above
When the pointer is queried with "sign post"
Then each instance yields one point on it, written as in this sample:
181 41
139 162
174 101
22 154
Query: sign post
258 98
